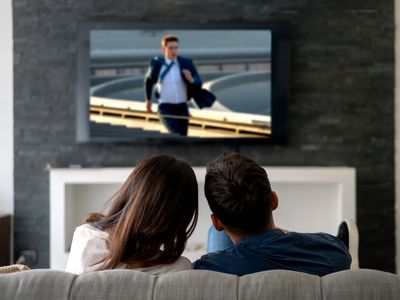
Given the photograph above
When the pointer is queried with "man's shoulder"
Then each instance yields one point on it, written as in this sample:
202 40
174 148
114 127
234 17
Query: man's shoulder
315 237
213 261
325 242
157 60
321 236
185 60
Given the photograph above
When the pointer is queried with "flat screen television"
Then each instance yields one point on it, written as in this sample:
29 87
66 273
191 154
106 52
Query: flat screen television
240 69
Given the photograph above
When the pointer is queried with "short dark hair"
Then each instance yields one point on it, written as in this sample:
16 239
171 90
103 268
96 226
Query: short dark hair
239 193
168 38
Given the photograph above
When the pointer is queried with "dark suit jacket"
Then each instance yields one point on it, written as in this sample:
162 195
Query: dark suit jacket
154 69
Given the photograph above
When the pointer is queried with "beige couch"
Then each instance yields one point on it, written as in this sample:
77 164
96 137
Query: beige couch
128 284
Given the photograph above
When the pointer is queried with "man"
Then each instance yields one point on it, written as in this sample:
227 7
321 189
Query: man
239 194
174 77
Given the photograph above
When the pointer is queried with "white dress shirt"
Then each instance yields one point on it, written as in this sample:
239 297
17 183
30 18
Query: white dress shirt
89 247
173 88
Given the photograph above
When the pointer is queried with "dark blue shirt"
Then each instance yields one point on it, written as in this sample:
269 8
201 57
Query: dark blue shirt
312 253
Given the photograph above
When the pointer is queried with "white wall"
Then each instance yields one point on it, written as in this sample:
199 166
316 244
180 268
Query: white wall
397 131
6 109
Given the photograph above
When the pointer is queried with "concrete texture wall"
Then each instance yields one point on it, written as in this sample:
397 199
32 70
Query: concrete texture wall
341 110
397 132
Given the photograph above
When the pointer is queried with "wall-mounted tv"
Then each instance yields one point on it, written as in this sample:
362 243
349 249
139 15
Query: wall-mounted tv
185 82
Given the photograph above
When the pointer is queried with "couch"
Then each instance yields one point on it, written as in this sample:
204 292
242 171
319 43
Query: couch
129 284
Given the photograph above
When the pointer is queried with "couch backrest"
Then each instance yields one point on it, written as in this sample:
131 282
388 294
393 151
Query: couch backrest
128 284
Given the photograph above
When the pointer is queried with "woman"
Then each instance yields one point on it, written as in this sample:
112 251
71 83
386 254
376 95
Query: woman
151 217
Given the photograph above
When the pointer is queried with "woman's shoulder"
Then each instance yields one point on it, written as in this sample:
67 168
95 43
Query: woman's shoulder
88 229
86 233
181 264
184 263
90 238
88 247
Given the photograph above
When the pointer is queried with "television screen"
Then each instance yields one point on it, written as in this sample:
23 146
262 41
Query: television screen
171 81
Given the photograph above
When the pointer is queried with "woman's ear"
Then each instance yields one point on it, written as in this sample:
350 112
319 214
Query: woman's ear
275 200
217 223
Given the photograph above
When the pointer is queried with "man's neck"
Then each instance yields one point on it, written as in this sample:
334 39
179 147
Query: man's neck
237 237
168 60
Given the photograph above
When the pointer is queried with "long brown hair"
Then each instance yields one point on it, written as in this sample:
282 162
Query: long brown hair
152 215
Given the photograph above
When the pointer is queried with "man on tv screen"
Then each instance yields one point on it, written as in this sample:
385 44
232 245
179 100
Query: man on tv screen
174 77
227 94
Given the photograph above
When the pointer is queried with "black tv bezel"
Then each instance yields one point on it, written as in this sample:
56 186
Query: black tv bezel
280 57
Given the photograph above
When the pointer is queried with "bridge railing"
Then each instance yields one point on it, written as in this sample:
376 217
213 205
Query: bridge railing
204 123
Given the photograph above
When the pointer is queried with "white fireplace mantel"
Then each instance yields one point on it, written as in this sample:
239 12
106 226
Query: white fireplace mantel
311 199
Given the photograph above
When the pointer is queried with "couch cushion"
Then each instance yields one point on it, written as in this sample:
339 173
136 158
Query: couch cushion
197 284
36 285
279 284
361 284
113 284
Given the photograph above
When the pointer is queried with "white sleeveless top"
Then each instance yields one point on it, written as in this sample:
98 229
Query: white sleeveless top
89 247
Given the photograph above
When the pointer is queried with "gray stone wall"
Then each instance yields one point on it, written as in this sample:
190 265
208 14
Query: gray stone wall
340 111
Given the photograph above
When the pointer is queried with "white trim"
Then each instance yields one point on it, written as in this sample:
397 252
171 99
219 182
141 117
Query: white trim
6 110
397 132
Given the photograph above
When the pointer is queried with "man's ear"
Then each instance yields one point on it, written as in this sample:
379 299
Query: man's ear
275 200
217 223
